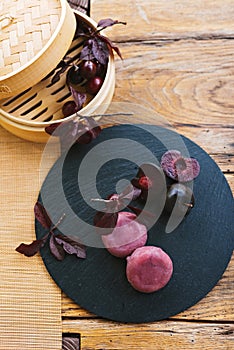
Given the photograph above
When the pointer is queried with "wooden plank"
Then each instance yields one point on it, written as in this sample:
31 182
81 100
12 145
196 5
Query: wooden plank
167 19
189 82
100 334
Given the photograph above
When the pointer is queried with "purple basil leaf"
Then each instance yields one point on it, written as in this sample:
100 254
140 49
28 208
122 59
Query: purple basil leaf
94 127
50 129
130 193
78 97
100 50
110 44
41 215
85 138
88 130
86 52
68 134
56 249
108 22
71 246
105 221
32 248
63 67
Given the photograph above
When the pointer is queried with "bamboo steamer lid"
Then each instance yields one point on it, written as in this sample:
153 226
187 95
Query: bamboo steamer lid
34 37
28 113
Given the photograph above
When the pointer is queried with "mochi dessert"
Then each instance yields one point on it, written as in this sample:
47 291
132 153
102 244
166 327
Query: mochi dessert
149 269
127 235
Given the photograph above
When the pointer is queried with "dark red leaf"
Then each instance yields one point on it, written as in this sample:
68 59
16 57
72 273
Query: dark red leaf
71 246
111 45
41 215
32 248
94 127
78 97
105 221
68 134
85 138
88 130
108 22
50 129
130 193
61 68
56 249
100 50
86 53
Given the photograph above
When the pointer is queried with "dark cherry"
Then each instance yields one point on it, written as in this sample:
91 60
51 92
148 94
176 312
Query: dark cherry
69 108
74 76
88 69
93 85
179 197
101 69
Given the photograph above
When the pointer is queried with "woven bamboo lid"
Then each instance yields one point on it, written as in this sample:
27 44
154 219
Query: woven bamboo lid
34 37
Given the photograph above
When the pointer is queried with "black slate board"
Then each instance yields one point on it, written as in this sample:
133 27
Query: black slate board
200 247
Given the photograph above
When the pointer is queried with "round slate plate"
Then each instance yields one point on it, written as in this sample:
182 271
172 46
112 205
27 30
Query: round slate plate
200 247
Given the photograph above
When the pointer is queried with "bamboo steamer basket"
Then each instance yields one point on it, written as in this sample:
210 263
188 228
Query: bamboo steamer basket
34 36
27 114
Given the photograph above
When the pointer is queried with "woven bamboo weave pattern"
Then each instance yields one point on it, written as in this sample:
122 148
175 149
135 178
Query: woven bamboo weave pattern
25 28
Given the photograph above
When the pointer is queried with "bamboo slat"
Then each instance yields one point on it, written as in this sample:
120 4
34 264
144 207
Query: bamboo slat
30 312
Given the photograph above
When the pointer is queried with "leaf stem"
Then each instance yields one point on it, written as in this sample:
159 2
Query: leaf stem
58 223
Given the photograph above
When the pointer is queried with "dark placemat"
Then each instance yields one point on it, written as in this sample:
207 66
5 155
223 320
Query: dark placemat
200 247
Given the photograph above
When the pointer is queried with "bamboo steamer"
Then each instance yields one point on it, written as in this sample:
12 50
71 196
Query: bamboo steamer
34 36
28 113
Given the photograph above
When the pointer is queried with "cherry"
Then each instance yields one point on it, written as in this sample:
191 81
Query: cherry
101 69
179 197
69 108
93 85
74 76
88 69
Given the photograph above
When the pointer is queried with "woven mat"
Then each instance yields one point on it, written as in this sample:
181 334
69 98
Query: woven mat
30 302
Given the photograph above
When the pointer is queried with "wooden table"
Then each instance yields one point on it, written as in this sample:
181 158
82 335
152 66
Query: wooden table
178 60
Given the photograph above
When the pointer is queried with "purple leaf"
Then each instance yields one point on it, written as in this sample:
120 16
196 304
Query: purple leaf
100 50
86 52
78 97
32 248
71 246
56 76
56 249
110 44
62 67
88 130
68 133
130 193
105 221
50 129
108 22
41 215
94 127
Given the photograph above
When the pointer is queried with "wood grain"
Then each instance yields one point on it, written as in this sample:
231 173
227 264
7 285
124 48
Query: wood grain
189 82
155 19
99 334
